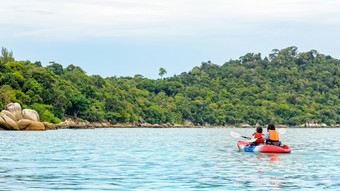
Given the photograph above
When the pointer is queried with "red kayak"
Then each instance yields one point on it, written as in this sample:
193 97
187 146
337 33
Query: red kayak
244 146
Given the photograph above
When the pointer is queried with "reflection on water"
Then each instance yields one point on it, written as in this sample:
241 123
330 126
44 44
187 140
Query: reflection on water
275 182
269 158
272 157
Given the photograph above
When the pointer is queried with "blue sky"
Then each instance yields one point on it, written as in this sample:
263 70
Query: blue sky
128 37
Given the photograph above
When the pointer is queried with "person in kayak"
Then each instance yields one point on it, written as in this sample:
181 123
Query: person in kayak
259 136
272 136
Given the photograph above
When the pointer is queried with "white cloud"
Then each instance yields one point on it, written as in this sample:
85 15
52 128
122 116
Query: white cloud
90 18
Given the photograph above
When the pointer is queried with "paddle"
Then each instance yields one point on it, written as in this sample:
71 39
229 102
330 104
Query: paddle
282 131
237 135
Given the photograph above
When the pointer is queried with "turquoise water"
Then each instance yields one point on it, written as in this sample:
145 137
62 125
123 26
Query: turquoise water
165 159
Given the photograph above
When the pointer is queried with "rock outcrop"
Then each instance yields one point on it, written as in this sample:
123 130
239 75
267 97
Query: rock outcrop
12 124
48 126
9 114
30 114
15 109
13 118
7 123
35 126
24 123
314 124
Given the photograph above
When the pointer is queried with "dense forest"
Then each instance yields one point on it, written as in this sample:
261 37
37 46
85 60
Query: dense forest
286 87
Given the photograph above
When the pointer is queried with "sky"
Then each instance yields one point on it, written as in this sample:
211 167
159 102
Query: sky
129 37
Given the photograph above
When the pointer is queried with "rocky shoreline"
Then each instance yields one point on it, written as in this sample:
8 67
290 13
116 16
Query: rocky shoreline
70 124
14 118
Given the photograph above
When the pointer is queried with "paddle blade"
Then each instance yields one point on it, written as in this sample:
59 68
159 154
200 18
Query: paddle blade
234 134
282 131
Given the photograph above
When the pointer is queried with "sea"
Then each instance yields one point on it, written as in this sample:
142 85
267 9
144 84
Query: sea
166 159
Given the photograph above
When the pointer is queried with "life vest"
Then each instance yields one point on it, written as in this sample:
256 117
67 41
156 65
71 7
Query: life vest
273 135
257 135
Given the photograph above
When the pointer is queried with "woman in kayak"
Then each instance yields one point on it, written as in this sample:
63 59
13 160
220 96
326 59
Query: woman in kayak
258 134
272 136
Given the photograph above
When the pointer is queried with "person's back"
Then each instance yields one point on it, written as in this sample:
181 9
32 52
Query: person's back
258 134
272 137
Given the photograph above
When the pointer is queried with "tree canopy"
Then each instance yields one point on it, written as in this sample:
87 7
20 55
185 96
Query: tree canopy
287 87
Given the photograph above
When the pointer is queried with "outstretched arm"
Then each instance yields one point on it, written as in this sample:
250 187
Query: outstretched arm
266 136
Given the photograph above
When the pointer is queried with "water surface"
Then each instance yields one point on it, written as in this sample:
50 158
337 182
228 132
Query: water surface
165 159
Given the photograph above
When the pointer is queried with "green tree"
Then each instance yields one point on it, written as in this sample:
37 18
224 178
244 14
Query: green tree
56 68
6 56
79 104
162 71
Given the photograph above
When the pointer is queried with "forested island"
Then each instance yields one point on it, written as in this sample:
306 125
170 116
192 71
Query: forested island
286 87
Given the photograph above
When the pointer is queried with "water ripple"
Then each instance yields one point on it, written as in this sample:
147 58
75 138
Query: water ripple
165 159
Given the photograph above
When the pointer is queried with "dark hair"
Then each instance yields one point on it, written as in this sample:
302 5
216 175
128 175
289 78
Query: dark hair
271 126
259 129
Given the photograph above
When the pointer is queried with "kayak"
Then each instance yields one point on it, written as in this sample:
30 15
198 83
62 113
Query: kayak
244 146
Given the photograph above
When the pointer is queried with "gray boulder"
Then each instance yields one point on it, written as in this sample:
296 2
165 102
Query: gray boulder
24 123
30 114
15 109
12 118
9 114
8 123
35 126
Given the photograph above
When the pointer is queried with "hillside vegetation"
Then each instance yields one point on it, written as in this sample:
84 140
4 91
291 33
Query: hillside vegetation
286 87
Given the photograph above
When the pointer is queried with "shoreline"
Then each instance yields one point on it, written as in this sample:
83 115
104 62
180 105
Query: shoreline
16 119
87 125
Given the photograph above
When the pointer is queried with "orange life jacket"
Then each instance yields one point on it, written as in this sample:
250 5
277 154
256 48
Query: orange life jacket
257 135
273 135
